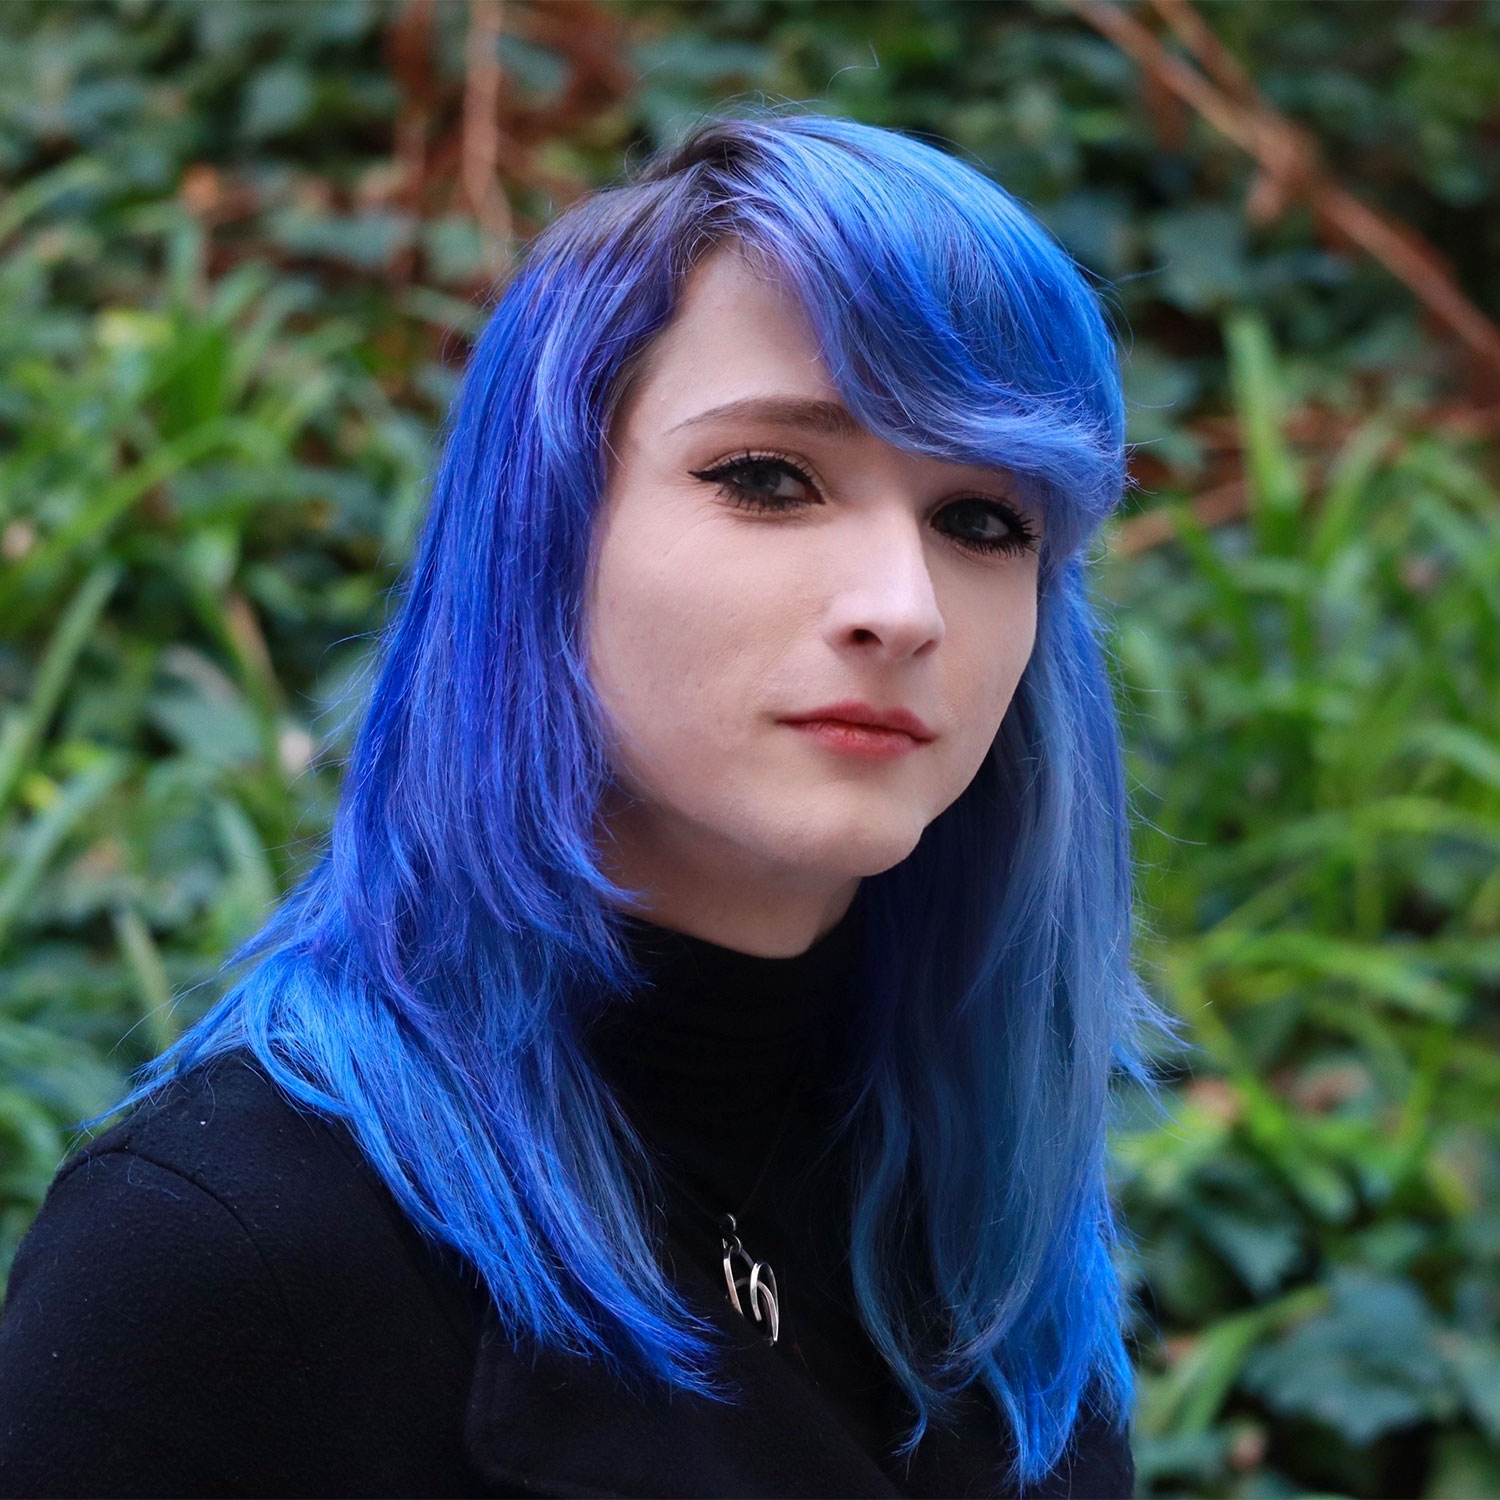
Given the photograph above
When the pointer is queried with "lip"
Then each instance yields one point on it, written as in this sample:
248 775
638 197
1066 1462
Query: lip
850 711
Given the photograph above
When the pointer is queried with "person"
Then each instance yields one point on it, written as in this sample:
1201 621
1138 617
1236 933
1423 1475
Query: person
686 1070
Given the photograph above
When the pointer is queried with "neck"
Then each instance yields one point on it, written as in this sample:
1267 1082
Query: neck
709 1047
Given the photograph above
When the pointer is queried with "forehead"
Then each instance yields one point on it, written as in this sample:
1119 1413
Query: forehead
737 331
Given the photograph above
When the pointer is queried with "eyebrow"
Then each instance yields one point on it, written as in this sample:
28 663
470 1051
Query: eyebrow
827 417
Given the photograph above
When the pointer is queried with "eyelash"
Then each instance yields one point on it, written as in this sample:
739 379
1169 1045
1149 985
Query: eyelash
1022 537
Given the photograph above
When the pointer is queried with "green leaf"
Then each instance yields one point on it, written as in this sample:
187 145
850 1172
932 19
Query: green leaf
1276 483
1202 254
1477 1363
23 732
1369 1365
39 840
279 98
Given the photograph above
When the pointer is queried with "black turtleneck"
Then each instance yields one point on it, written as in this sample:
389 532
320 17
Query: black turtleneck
733 1069
729 1065
221 1297
712 1049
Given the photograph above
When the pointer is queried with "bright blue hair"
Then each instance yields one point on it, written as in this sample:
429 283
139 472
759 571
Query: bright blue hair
430 980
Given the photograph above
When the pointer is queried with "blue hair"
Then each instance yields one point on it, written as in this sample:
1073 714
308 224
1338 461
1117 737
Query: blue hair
429 982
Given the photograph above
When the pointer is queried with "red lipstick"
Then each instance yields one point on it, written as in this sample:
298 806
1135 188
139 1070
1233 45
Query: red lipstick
859 729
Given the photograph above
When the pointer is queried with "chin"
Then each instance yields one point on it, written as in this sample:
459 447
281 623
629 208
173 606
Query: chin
850 846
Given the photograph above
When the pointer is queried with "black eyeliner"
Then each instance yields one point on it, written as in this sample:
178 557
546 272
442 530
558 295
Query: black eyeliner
1023 537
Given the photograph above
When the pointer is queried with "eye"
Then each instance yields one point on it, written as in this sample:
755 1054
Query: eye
994 527
761 481
771 483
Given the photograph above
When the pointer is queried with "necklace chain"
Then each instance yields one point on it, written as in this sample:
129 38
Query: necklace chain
755 1279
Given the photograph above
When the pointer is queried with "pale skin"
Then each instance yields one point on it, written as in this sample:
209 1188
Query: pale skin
711 622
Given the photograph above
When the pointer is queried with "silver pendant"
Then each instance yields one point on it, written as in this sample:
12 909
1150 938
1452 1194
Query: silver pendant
757 1279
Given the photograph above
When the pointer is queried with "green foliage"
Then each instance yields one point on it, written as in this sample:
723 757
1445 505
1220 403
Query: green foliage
229 336
205 491
1142 192
1313 698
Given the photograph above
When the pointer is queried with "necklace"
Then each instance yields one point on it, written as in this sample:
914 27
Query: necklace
742 1271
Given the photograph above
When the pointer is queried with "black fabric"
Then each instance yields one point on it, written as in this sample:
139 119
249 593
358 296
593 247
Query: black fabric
219 1296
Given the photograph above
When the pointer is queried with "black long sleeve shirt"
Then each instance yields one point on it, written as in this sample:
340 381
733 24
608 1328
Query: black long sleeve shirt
220 1297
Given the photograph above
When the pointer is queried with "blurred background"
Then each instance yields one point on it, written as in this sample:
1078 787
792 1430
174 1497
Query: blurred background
243 249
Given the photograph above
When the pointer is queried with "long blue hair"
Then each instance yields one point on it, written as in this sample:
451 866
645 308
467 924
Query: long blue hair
429 982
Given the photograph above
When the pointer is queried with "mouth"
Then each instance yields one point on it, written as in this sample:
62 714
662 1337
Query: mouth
858 741
856 715
862 732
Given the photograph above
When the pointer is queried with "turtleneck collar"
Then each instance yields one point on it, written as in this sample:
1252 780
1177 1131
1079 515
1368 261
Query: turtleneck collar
716 1038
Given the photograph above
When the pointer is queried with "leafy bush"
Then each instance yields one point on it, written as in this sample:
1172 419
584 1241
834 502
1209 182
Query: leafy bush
237 271
1314 694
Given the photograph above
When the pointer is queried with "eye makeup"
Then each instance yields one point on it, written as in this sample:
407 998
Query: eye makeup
752 481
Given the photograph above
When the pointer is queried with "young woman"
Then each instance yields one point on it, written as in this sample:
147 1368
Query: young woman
686 1071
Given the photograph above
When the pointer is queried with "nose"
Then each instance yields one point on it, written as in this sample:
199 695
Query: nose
885 600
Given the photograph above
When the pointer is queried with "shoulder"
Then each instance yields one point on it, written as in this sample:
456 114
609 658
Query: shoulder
223 1154
215 1281
214 1190
225 1125
220 1153
136 1282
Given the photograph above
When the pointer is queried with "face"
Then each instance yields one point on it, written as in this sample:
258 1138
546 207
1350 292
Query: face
760 557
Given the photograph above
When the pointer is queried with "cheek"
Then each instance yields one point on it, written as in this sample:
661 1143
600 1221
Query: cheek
669 657
988 660
1014 651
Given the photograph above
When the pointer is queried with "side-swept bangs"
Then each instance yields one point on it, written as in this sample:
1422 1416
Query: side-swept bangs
951 322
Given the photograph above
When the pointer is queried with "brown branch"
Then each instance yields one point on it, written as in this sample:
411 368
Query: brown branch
1288 157
481 138
409 54
1267 199
1213 56
1153 528
588 41
1313 428
589 36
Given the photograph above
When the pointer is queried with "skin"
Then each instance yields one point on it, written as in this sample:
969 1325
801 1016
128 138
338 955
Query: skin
708 622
